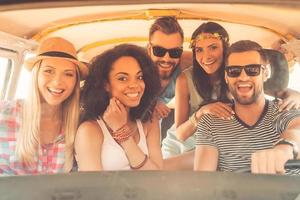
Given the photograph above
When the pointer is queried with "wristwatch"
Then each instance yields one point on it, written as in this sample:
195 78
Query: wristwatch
292 143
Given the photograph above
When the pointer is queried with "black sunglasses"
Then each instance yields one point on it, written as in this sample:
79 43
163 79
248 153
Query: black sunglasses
161 52
236 70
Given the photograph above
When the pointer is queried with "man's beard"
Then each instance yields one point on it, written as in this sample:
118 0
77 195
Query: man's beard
246 101
165 75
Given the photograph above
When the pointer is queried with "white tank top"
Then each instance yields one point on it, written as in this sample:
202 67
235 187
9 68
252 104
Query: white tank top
113 157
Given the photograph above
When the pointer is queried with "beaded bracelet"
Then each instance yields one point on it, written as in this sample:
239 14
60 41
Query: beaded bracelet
141 164
122 134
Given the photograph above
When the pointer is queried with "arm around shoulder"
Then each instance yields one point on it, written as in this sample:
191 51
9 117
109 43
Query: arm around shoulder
184 128
291 99
181 99
88 144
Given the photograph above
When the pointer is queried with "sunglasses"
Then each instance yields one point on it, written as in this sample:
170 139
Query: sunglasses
236 70
161 52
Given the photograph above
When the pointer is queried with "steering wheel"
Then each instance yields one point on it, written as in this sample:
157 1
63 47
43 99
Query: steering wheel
290 164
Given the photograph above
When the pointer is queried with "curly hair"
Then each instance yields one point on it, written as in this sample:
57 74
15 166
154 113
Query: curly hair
94 97
200 77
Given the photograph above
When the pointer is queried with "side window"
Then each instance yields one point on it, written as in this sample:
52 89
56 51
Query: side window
12 52
23 84
24 81
14 78
10 59
5 74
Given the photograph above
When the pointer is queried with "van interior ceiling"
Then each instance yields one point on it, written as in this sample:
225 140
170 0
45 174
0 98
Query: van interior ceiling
96 25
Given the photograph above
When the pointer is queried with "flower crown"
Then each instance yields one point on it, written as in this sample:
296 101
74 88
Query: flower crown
203 36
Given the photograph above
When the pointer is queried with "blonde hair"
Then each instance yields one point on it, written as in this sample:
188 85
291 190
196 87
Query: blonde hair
28 138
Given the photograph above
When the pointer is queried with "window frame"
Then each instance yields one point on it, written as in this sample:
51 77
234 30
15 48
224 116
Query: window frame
14 48
12 74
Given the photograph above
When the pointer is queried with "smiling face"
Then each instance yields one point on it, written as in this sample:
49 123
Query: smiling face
165 64
126 81
209 54
246 89
56 80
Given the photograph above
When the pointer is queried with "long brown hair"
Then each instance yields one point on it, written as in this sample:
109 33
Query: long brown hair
200 77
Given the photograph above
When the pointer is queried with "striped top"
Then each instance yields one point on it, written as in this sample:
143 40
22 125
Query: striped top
236 141
50 158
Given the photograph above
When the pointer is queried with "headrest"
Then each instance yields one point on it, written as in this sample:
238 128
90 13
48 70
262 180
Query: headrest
279 78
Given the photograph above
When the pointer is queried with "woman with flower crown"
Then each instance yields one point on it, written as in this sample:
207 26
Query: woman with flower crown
201 89
37 134
201 85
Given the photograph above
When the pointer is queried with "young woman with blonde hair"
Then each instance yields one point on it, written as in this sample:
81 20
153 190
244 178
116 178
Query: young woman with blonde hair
37 134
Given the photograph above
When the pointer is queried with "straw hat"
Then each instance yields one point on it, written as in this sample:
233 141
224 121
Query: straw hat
57 47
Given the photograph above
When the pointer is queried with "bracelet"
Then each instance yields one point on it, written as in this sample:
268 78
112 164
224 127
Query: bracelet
141 164
122 134
193 119
291 143
121 140
123 128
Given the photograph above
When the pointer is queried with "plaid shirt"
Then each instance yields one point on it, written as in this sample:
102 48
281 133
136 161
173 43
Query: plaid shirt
50 158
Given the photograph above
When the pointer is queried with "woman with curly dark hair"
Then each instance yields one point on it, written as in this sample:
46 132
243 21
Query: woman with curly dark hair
117 132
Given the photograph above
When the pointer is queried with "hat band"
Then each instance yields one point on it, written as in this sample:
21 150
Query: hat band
58 54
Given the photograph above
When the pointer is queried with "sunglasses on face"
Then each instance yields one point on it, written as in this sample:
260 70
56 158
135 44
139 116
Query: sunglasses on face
236 70
161 52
